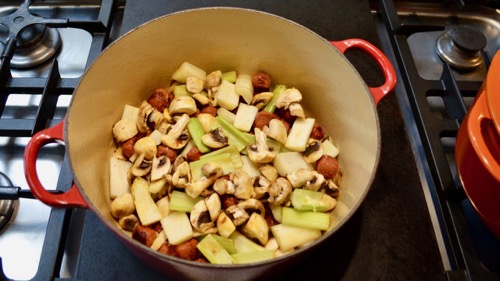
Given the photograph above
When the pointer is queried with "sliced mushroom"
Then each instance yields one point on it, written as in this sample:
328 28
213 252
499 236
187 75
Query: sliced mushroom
242 184
332 188
311 180
213 79
177 138
280 191
313 151
329 202
260 187
215 138
124 130
181 105
142 119
213 205
260 152
287 97
129 222
206 121
260 100
276 130
223 186
237 214
201 98
166 116
157 118
256 228
194 84
253 205
296 110
161 167
212 96
269 172
200 217
182 175
141 166
146 146
122 206
212 171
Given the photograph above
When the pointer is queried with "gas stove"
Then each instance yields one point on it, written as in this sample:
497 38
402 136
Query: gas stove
40 243
442 52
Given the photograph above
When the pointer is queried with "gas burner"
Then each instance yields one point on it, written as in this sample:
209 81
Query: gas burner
6 206
35 44
461 47
35 40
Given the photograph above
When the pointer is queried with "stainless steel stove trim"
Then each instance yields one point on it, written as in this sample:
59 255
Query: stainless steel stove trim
417 147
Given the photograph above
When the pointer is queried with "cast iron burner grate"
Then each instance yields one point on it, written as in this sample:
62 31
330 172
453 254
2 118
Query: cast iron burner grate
473 251
49 90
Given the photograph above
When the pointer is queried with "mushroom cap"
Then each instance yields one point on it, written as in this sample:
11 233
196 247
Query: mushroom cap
182 104
124 130
287 97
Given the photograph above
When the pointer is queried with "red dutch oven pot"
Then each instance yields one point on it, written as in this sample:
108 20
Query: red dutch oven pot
477 150
217 38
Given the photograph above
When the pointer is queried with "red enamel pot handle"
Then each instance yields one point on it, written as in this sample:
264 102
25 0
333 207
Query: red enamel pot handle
390 75
480 113
68 199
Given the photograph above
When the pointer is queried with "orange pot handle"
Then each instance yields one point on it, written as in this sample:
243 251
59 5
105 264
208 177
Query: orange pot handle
480 112
68 199
387 69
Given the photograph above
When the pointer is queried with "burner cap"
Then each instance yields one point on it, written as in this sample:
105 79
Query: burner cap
35 44
461 47
6 206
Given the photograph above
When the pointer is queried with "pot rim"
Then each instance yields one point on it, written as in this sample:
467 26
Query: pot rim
126 238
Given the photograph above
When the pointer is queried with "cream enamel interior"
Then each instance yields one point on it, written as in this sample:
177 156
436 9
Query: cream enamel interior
226 39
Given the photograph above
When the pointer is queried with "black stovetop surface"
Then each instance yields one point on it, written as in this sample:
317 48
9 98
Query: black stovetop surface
389 238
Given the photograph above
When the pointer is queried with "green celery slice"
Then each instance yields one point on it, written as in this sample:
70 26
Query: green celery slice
230 76
227 243
307 200
213 251
224 160
271 105
234 135
314 220
180 201
196 131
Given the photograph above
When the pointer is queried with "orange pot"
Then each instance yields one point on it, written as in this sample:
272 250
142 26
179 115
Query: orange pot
477 150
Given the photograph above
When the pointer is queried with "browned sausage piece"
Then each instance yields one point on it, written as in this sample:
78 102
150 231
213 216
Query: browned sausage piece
193 154
128 147
328 166
167 249
188 250
159 99
317 132
163 150
145 235
261 81
210 110
263 118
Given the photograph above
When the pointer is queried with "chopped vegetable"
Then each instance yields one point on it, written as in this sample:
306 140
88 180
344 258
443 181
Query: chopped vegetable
314 220
180 201
217 171
213 251
177 227
289 237
196 131
271 105
144 204
299 134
